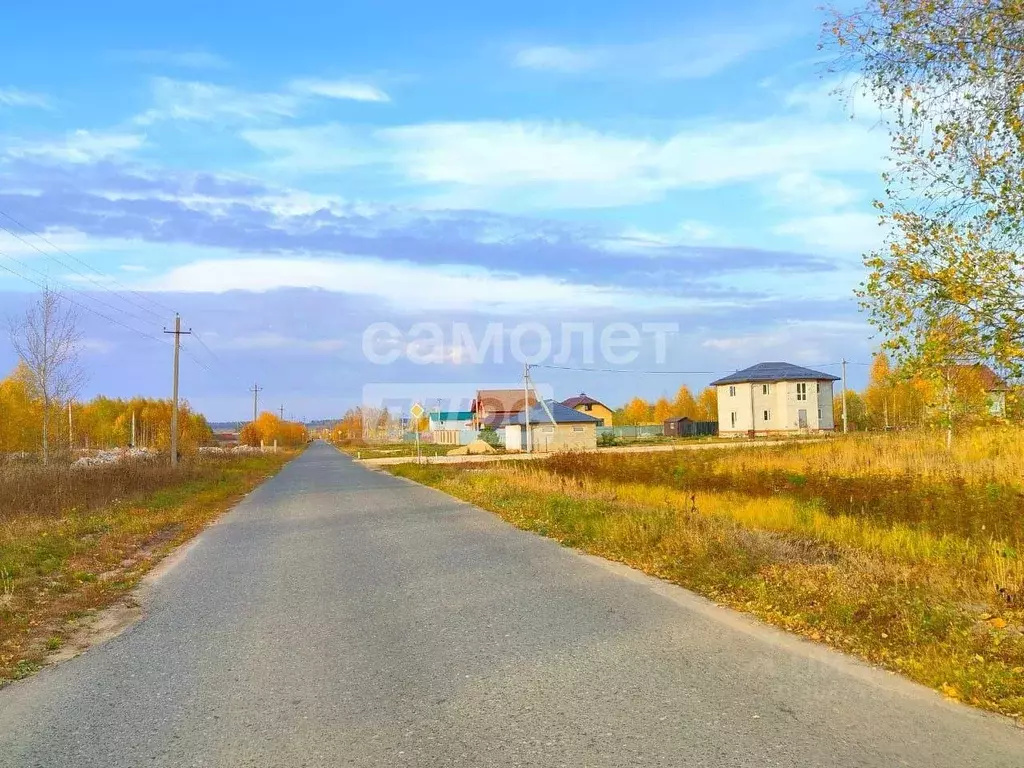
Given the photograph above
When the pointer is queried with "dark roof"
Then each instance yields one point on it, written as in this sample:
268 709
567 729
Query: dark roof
774 372
497 401
678 418
562 413
581 399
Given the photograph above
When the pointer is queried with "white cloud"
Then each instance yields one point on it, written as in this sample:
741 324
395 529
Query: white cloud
800 341
65 239
339 89
270 340
811 191
206 102
181 59
14 97
555 58
850 232
568 165
640 241
80 146
414 287
678 57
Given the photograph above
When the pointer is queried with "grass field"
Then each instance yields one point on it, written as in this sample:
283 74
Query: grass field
887 547
74 541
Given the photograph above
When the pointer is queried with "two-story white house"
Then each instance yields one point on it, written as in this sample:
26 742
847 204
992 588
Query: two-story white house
772 398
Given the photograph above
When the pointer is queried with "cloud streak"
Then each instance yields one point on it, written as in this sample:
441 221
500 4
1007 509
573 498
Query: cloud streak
533 164
680 57
15 97
339 89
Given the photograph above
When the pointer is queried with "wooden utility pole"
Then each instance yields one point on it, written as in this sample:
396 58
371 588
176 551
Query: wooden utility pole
178 333
845 423
256 389
71 431
526 406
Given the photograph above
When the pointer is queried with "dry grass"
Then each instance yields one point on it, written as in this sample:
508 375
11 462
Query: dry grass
389 450
74 541
845 542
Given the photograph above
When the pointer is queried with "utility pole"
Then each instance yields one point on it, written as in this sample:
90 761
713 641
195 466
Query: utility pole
133 429
845 422
178 333
256 389
282 412
71 433
526 406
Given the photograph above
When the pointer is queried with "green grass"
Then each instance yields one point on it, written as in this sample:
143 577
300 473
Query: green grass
936 602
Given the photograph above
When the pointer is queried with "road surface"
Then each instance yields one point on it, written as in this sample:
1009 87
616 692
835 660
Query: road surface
342 617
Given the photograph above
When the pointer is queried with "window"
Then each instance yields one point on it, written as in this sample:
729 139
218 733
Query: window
588 407
767 415
801 390
548 429
766 389
577 429
732 391
819 414
817 385
732 418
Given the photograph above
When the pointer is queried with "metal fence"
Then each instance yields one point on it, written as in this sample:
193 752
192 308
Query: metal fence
632 433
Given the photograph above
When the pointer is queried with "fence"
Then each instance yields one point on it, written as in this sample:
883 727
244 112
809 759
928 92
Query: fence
632 433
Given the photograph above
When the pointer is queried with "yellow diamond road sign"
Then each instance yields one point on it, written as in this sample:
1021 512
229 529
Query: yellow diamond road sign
416 410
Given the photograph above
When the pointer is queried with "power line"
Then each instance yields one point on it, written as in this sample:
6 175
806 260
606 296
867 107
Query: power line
86 277
80 261
87 308
663 372
209 351
67 287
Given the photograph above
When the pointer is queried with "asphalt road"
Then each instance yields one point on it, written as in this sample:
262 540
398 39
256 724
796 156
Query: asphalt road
340 616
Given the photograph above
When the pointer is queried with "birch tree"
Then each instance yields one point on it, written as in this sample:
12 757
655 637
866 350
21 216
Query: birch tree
48 341
948 77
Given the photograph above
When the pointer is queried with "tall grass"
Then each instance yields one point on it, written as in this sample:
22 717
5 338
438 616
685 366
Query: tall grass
34 490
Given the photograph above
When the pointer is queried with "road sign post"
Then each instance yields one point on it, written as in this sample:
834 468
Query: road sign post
417 413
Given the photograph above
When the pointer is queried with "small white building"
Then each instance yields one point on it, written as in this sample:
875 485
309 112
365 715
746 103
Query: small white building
772 398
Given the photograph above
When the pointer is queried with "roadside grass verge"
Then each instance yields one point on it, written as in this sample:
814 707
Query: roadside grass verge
75 541
394 449
942 608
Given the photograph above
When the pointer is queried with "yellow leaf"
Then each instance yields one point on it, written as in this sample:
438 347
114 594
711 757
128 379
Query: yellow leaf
950 691
997 623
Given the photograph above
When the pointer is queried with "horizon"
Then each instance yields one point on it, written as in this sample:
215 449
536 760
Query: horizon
569 168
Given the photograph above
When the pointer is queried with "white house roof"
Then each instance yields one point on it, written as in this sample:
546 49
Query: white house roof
774 372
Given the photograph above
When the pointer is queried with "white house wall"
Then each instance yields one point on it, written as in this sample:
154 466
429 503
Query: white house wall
748 406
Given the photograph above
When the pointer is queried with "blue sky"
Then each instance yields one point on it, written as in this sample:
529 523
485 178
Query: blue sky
284 176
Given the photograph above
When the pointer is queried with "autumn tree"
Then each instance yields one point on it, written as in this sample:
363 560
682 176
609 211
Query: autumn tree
707 405
684 403
20 412
637 411
857 417
47 340
879 394
662 410
948 77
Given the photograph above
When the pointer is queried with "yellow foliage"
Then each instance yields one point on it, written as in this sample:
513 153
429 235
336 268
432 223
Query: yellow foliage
102 422
268 428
